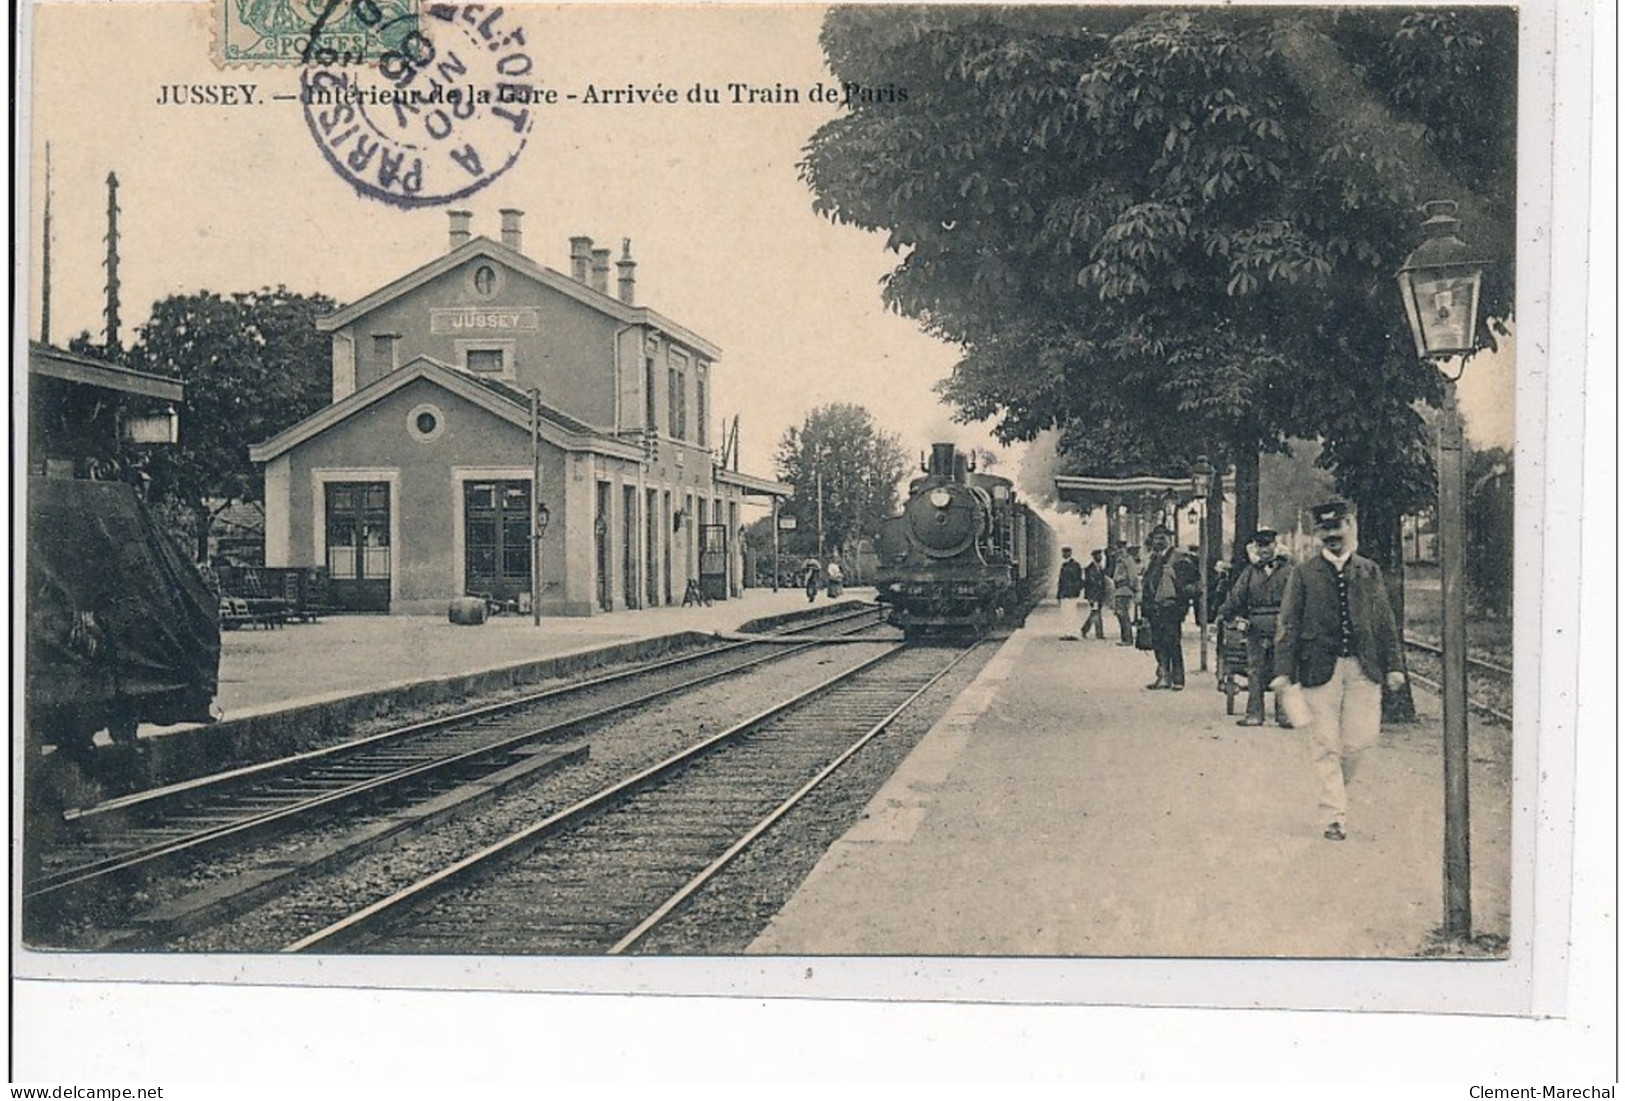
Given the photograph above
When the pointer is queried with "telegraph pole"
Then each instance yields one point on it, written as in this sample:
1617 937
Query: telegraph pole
111 311
818 480
45 273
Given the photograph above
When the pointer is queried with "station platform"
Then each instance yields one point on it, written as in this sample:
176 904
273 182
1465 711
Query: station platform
341 655
1060 809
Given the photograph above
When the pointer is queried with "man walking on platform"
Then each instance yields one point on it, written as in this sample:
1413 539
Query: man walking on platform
812 578
1253 606
1095 584
1165 596
1337 638
1070 583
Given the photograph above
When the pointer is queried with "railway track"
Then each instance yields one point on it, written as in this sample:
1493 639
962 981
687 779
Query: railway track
1487 675
123 841
601 874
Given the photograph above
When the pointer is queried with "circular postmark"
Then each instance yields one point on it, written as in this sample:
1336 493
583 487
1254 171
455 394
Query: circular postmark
442 114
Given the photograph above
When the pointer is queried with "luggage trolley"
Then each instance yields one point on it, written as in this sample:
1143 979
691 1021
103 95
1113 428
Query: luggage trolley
1232 664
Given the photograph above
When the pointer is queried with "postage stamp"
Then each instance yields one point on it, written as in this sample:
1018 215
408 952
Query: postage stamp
445 111
285 32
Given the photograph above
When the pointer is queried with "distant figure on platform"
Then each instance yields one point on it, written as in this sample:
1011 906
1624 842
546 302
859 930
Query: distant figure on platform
833 579
1166 589
1125 590
1070 585
1338 640
1096 586
812 578
1220 579
1253 607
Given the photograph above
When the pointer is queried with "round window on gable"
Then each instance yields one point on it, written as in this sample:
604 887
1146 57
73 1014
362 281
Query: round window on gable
485 280
425 423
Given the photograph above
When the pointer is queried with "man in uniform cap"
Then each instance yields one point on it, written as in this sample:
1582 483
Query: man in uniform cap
1253 606
1337 639
1166 588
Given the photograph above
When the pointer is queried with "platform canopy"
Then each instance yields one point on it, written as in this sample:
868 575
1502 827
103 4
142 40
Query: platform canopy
1092 492
1132 504
753 486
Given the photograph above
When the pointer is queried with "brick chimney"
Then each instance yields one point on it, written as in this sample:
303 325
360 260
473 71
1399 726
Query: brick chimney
627 267
459 227
580 258
600 270
511 235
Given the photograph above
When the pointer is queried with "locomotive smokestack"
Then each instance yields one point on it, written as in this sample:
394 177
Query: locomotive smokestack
942 460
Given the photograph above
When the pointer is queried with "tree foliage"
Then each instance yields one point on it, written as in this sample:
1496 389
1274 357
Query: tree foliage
839 448
1491 520
253 364
1171 232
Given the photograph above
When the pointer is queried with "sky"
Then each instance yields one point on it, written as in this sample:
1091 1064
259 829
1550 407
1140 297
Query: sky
722 227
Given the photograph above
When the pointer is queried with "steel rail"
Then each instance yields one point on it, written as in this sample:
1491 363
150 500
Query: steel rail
522 841
1477 705
265 770
710 871
1438 651
150 855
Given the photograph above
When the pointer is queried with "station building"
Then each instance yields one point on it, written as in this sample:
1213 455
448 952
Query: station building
453 386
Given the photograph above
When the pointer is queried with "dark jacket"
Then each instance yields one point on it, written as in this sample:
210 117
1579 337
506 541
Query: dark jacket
1309 632
1183 575
1096 585
1256 596
1071 583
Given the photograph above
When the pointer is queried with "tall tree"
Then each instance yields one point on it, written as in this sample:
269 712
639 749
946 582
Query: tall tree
253 364
839 451
1173 232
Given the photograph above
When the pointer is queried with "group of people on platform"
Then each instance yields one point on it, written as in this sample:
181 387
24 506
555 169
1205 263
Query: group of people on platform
1320 634
815 575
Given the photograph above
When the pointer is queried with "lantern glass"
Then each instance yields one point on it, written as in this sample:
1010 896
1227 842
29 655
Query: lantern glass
1201 476
1441 304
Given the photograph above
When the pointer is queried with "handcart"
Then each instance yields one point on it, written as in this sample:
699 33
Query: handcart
1232 664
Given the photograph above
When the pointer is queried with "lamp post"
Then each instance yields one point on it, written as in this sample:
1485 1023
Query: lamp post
1440 284
1201 483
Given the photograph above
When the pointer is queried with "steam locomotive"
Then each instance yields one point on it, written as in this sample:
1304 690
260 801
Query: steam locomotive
964 555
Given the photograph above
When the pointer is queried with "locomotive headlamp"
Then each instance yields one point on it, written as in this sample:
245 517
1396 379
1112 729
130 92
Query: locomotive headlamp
941 498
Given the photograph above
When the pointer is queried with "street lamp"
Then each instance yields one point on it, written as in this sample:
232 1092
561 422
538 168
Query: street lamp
1201 483
1440 283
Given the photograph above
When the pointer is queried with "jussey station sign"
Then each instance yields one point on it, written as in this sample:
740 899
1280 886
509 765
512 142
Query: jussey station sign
473 319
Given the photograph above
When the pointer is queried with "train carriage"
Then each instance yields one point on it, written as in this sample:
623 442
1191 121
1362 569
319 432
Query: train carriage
121 628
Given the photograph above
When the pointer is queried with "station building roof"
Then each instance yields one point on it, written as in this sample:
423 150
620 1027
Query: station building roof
502 254
559 429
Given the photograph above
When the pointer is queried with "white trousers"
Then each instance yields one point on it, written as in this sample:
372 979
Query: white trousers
1347 720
